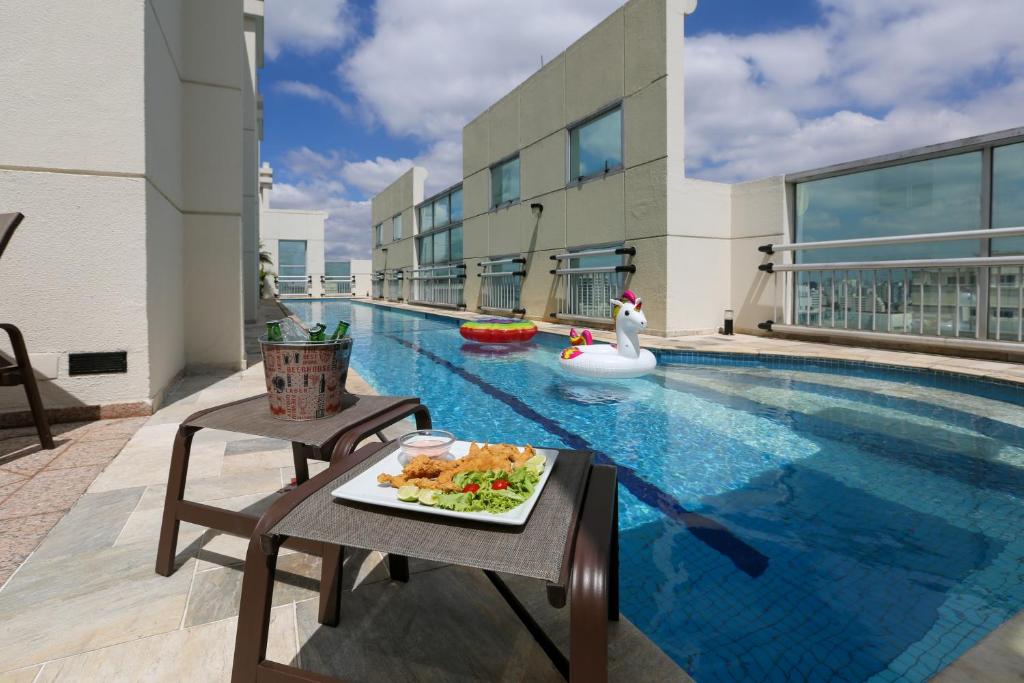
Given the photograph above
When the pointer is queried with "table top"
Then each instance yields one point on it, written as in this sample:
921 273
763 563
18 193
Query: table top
538 549
252 416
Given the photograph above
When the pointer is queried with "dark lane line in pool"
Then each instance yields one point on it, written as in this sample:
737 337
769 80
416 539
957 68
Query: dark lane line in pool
712 533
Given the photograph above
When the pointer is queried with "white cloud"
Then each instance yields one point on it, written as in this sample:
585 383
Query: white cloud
874 77
305 26
348 221
311 91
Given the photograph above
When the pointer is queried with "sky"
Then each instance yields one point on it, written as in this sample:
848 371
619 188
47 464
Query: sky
357 91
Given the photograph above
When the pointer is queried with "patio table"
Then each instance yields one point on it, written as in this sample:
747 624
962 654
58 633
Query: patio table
324 439
570 541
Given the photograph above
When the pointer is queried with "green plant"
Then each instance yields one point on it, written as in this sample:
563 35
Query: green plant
266 261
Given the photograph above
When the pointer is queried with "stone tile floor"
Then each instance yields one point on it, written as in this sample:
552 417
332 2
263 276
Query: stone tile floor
87 605
37 486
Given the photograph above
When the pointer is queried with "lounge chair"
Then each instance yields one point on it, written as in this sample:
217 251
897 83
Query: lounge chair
20 372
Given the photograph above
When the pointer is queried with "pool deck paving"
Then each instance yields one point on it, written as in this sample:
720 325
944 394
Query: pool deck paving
86 604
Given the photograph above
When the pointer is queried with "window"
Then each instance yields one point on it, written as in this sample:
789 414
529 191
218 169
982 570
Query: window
396 223
595 147
1008 196
441 242
337 268
505 182
457 205
291 256
378 234
426 217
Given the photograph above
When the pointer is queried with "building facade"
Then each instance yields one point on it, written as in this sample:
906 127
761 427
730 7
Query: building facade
136 170
574 189
295 241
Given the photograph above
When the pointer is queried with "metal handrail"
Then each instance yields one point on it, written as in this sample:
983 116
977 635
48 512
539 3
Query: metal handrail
510 259
628 251
520 273
895 239
893 265
428 269
595 269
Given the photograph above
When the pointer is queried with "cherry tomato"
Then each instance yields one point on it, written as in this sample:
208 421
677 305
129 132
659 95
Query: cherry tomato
472 488
499 484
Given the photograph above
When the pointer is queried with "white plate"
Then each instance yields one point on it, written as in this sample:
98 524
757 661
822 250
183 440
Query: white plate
364 488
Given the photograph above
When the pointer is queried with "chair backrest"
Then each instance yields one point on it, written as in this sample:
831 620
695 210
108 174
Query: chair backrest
8 223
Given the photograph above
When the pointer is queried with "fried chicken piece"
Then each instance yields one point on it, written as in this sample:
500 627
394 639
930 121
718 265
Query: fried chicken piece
431 473
423 466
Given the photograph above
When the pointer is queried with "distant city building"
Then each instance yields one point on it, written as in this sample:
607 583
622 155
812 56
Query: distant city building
295 240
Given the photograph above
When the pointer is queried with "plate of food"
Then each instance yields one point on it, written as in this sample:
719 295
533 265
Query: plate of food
496 483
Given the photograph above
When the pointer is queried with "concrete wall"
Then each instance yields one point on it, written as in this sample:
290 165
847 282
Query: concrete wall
361 271
759 216
122 144
308 226
400 197
252 133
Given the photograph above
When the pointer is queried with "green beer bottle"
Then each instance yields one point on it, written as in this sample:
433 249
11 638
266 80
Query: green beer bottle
274 333
340 331
317 333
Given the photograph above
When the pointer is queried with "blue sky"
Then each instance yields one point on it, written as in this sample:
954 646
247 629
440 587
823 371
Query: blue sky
356 91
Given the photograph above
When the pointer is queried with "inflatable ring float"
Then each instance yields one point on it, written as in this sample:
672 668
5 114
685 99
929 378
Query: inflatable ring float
498 330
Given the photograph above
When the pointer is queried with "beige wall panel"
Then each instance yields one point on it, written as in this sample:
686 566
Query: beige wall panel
400 253
503 119
213 42
648 281
758 207
594 68
547 232
543 165
165 290
595 212
505 230
476 236
646 200
698 284
471 292
164 148
646 41
476 193
171 17
378 259
537 294
643 115
476 145
213 292
408 221
542 102
388 230
700 208
753 292
213 149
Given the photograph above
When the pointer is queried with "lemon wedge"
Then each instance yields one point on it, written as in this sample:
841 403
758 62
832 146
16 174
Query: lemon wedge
536 463
427 496
409 494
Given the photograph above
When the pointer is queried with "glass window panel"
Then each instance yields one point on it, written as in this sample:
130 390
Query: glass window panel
505 182
426 218
337 268
935 195
397 227
596 146
440 247
426 250
1008 196
456 240
291 256
457 205
441 211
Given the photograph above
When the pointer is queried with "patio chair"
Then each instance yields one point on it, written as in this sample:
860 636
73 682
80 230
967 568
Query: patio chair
20 372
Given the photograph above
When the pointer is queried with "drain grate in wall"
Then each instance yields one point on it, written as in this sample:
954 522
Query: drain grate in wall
98 363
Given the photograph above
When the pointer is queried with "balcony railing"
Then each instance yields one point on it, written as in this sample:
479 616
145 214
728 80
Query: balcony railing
377 285
393 285
337 285
975 298
500 289
293 285
439 285
583 293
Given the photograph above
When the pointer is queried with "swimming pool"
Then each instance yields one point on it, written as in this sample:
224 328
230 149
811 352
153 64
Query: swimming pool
792 521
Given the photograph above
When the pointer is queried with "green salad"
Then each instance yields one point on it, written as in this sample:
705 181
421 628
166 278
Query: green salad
495 491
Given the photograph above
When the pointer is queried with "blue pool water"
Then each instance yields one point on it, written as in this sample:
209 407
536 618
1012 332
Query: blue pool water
778 523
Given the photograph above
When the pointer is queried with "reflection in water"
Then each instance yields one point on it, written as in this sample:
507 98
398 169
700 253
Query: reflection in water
607 392
503 351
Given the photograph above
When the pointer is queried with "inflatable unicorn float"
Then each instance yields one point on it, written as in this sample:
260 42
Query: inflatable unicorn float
621 360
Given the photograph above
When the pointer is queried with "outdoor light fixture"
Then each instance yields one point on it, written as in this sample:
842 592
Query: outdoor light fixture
537 209
727 328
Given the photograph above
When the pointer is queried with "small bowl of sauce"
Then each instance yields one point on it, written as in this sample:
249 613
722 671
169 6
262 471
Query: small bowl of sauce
432 443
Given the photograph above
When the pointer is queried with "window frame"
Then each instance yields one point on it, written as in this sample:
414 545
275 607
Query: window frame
571 181
378 234
305 259
396 232
490 183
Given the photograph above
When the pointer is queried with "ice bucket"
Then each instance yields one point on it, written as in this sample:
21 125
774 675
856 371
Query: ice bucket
305 380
